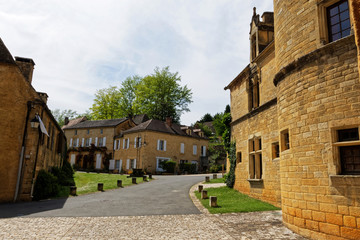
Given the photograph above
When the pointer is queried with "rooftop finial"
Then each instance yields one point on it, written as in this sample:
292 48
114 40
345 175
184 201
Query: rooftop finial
254 11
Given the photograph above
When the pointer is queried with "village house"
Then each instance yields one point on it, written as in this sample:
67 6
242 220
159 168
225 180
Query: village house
295 116
30 138
148 144
90 143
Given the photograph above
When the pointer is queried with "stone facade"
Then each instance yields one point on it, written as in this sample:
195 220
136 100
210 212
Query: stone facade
294 147
25 150
140 147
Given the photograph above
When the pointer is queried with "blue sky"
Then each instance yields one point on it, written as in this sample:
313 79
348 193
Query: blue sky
81 46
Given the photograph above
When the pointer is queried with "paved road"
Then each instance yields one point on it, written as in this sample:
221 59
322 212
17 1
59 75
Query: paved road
167 195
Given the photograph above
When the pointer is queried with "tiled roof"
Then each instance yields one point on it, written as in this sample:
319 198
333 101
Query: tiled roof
97 123
140 118
5 55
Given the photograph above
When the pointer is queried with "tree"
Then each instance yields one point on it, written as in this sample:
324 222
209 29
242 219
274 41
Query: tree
206 118
222 126
60 115
128 96
106 104
160 95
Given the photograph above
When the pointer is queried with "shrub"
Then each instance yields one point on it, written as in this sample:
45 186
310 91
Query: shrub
215 168
46 185
168 166
230 179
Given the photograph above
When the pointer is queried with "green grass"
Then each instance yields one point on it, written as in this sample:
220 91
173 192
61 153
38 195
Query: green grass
218 180
87 182
230 200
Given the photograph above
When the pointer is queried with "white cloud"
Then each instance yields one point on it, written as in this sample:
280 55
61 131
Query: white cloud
80 46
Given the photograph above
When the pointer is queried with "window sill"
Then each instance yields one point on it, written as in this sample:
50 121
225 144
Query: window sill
345 180
254 180
276 159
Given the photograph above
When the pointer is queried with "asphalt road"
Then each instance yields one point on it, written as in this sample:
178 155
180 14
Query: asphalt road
166 195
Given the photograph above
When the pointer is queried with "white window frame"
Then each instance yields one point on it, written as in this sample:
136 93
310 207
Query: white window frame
194 149
161 147
182 148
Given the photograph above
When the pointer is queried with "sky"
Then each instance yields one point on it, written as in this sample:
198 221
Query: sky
82 46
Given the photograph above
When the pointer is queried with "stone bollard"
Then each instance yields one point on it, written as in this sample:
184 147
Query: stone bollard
200 187
214 176
119 183
100 187
144 178
207 179
213 201
150 176
134 180
204 194
73 190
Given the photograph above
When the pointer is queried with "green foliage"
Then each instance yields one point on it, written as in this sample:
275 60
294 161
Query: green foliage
207 131
46 185
128 96
160 95
168 166
215 168
67 169
187 167
230 180
217 153
60 115
206 118
106 104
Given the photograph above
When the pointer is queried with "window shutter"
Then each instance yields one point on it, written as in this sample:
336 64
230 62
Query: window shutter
77 142
115 145
127 143
90 141
182 147
134 164
124 143
164 145
82 142
120 167
158 145
135 142
71 141
96 142
127 163
118 144
104 142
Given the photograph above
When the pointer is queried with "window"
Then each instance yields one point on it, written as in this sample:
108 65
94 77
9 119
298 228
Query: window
102 142
348 151
203 151
275 149
88 131
182 147
255 159
132 163
338 20
75 131
238 157
183 161
254 93
87 144
126 143
101 131
194 149
137 142
285 140
161 146
159 160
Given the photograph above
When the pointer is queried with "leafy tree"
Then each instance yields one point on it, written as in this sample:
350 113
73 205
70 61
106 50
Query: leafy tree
60 115
160 95
206 118
128 96
207 131
106 104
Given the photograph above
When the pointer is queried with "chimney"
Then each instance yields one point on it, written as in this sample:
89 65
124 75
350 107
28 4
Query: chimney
43 96
66 121
169 121
26 66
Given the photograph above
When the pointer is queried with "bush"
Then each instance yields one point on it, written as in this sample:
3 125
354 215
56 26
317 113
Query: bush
168 166
215 168
187 167
46 185
230 179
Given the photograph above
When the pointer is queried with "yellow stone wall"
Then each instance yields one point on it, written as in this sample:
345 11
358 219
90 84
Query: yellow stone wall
147 154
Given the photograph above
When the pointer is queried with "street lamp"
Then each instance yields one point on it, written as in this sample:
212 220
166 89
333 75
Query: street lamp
35 122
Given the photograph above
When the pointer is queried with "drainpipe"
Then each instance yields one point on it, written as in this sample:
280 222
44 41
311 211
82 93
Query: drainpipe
21 160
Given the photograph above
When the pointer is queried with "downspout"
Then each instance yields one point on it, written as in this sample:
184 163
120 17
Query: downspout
21 160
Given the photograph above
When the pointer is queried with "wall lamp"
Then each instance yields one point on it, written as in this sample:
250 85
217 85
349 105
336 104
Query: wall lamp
35 122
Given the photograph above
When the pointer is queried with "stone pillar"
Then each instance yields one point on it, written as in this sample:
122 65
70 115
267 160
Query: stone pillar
100 187
214 176
119 183
134 180
200 187
204 194
213 201
207 179
73 190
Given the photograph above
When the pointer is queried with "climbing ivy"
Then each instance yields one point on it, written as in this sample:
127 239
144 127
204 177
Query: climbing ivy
230 180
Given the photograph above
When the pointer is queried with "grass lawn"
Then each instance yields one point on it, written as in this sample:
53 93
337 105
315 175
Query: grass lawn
218 180
87 182
230 200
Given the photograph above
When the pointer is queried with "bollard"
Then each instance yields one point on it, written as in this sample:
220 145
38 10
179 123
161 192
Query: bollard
134 180
214 176
100 186
150 176
213 201
144 178
73 190
200 188
119 183
204 194
207 179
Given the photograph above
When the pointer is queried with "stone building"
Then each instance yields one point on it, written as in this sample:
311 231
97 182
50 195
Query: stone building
154 141
296 116
30 138
90 143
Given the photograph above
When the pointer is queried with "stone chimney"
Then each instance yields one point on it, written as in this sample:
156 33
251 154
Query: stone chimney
43 96
268 17
66 121
169 121
26 66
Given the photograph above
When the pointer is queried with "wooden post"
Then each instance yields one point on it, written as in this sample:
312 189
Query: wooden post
150 176
134 180
144 178
222 170
100 187
204 194
200 187
119 183
213 201
214 176
73 190
207 179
